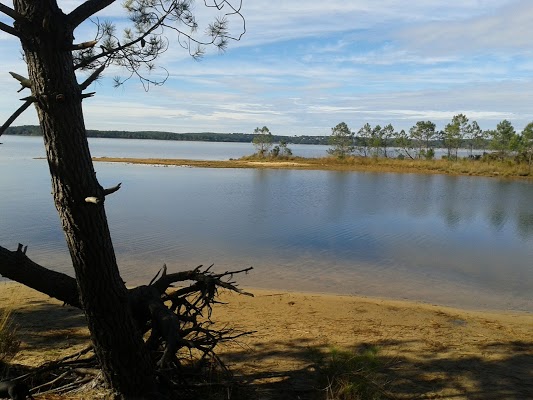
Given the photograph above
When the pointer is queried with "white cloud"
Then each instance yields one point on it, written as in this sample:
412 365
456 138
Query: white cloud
302 67
504 30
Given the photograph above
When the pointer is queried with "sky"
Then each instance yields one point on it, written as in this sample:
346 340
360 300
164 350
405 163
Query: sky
302 67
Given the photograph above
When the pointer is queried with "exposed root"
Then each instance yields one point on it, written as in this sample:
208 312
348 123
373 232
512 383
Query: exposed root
178 331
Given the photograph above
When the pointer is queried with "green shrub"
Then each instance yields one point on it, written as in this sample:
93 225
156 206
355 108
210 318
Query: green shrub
353 375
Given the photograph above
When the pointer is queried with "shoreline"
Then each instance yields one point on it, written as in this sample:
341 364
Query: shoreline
403 302
432 351
400 302
359 164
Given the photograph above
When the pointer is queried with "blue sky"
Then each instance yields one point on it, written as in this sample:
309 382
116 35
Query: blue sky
304 66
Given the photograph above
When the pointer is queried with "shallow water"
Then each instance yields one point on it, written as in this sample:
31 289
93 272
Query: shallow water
461 241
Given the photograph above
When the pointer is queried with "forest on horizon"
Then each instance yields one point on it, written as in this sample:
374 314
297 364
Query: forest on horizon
34 130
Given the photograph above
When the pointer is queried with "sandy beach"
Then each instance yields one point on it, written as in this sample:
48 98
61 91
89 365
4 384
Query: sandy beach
428 351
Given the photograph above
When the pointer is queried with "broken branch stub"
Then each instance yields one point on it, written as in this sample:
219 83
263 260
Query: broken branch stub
25 82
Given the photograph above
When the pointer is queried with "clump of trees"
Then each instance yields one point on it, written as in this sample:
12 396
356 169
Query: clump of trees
263 142
341 141
525 144
423 138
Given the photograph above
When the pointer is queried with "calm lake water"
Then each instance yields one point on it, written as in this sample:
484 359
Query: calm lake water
460 241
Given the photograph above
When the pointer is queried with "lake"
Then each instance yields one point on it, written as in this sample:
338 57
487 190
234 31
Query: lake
459 241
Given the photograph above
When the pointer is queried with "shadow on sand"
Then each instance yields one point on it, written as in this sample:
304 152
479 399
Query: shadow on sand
44 325
502 371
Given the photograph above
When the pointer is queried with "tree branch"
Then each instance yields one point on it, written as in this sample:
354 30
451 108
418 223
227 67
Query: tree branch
16 114
108 52
25 82
209 278
85 95
9 29
98 200
94 76
10 12
16 266
112 189
84 45
85 10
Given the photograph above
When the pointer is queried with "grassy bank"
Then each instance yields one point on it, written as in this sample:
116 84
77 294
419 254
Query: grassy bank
507 169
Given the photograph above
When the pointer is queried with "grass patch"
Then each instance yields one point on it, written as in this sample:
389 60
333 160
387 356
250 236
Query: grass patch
9 343
354 375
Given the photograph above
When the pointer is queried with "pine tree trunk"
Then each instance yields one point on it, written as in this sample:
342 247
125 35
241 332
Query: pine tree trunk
118 342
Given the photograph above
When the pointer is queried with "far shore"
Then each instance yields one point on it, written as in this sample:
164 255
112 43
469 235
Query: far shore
362 164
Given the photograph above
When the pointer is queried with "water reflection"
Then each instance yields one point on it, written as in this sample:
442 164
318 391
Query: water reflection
338 194
455 240
525 224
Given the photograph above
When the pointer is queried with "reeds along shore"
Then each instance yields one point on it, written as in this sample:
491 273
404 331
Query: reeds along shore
488 168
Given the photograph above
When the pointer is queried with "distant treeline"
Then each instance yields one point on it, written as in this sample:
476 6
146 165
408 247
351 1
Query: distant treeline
33 130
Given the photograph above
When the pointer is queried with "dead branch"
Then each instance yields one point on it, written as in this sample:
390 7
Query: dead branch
86 95
84 45
25 82
9 29
92 199
98 200
112 189
10 12
165 281
16 114
94 76
15 265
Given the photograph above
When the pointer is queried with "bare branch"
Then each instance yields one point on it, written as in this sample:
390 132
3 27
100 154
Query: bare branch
85 95
9 29
94 76
15 265
112 189
85 10
84 45
25 82
98 200
167 280
21 109
10 12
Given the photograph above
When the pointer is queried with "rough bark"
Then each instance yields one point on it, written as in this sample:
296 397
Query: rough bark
47 38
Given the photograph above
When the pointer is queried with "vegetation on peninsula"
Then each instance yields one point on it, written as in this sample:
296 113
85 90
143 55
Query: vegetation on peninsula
494 153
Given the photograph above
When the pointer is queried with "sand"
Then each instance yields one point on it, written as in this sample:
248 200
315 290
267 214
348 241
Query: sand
429 351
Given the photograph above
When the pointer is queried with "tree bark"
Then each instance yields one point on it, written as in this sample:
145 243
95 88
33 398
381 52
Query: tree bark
46 39
15 265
